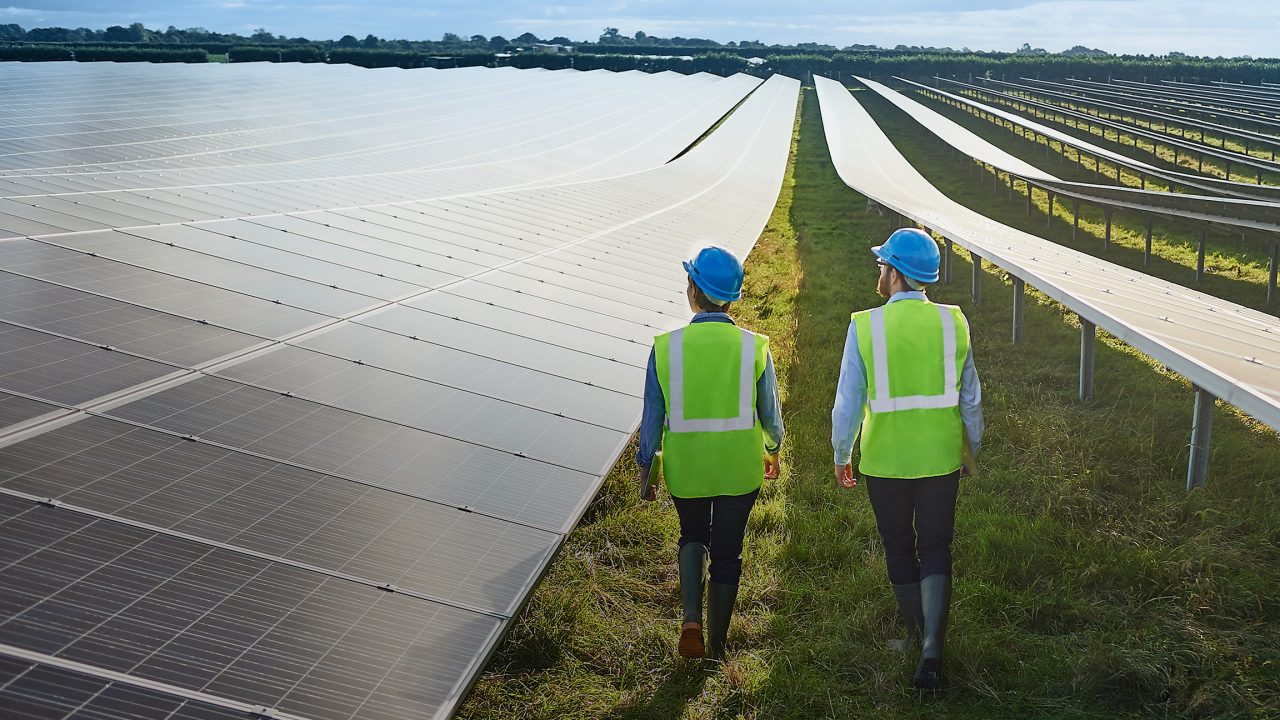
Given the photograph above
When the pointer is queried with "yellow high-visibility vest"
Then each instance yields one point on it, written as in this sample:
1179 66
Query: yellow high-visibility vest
712 443
914 353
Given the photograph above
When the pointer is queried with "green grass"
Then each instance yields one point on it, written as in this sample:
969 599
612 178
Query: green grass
1088 584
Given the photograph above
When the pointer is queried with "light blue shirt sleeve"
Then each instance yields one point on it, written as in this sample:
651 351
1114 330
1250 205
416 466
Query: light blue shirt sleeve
971 402
652 417
851 399
768 409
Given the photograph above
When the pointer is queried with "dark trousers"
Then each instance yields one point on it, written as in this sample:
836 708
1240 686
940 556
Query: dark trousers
719 523
916 519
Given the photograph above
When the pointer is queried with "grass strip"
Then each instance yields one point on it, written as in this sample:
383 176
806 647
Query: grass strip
1088 584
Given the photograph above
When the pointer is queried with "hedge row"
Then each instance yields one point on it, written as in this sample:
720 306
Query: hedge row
290 53
407 59
41 53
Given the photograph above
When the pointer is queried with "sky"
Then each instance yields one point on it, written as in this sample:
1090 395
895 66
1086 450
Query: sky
1195 27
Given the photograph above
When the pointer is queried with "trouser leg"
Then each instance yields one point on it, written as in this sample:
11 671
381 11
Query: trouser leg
935 520
728 526
893 502
729 515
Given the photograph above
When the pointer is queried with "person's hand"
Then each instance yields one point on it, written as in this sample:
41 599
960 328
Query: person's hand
772 465
845 476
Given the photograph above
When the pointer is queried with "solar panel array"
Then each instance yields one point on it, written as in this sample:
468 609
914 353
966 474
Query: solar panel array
1230 351
307 370
1230 212
1209 183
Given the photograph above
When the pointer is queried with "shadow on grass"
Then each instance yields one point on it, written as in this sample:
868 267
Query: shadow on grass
671 697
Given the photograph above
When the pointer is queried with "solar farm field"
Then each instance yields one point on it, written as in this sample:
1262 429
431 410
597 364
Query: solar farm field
320 384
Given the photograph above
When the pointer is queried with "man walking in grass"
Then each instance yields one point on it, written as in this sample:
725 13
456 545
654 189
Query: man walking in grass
711 404
907 380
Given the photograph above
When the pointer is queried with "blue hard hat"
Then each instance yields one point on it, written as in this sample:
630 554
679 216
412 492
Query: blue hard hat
913 252
718 272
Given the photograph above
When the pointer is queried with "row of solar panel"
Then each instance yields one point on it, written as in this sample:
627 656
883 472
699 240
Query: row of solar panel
314 498
1229 350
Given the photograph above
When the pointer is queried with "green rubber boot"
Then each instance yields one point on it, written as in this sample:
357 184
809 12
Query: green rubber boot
720 602
693 572
908 597
935 599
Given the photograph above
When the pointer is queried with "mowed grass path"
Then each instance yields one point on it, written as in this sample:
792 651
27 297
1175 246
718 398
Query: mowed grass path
1088 584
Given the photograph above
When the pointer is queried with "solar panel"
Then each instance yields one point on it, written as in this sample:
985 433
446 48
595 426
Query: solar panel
1231 212
65 371
32 691
280 510
104 321
180 612
371 359
1228 350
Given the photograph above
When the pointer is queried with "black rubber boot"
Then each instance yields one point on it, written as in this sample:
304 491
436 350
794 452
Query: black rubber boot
693 573
720 602
912 615
935 600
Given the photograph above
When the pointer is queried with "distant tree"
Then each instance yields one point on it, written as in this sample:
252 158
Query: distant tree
52 34
642 38
526 39
369 41
610 35
348 41
561 40
115 33
497 43
479 40
451 39
1026 49
12 32
261 35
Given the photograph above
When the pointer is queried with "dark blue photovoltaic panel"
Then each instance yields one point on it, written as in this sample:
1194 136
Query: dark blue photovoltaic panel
31 691
284 511
191 615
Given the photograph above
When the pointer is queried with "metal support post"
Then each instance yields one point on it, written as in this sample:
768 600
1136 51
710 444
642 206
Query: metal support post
1273 270
1201 430
1019 293
1106 237
1146 245
975 288
1048 216
1088 338
1075 218
1200 256
946 261
1028 184
1143 178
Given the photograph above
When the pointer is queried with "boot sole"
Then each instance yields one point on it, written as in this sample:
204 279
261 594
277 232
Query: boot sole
691 645
929 675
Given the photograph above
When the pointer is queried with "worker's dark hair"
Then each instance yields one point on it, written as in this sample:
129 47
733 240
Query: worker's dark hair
704 303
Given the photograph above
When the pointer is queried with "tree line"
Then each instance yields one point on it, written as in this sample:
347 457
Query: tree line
616 52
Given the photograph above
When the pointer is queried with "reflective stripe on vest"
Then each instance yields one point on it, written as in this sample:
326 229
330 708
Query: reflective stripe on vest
882 402
746 417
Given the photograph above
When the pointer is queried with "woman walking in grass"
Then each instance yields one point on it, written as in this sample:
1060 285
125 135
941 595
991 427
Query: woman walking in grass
907 380
711 405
